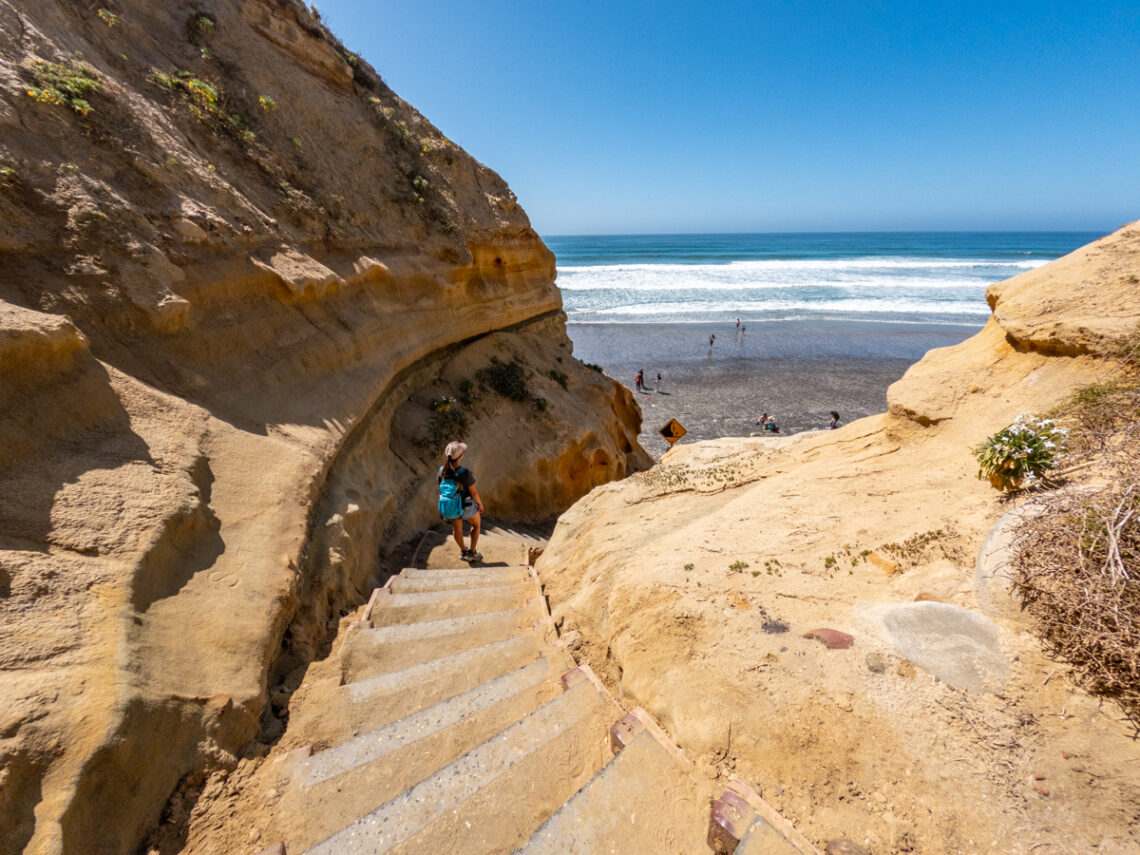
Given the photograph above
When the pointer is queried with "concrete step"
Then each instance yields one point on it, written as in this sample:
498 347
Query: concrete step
499 548
463 670
493 797
335 787
377 651
740 821
644 800
374 701
377 743
762 839
390 609
411 579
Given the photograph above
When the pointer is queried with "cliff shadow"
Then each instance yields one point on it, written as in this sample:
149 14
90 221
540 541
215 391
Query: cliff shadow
56 423
22 792
190 543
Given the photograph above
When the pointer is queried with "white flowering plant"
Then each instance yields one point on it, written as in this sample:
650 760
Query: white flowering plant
1021 453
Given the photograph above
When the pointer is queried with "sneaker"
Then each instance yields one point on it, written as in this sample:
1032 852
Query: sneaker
465 555
472 555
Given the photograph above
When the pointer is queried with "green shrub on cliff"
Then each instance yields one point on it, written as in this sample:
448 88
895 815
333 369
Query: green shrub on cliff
1022 452
467 393
65 83
198 92
504 378
446 425
207 103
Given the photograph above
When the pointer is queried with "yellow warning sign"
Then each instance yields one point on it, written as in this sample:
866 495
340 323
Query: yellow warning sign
673 431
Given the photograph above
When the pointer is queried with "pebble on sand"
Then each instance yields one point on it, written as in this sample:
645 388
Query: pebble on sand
833 638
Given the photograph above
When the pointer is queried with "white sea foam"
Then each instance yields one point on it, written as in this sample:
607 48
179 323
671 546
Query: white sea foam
918 278
745 275
930 290
667 282
812 264
782 309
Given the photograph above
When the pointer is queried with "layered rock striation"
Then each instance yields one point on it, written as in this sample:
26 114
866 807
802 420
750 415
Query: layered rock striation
236 274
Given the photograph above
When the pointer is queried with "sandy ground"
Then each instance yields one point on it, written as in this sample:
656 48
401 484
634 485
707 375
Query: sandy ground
795 371
944 727
691 590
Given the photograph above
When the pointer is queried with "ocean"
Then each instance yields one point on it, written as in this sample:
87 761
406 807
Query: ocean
897 277
827 321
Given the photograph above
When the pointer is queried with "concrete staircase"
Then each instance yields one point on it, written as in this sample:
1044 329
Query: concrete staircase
463 725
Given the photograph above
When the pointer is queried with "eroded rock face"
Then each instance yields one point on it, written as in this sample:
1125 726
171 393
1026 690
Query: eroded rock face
231 282
1078 304
689 589
1075 306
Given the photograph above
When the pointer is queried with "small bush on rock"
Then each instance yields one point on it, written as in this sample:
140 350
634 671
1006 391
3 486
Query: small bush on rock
65 83
199 28
467 393
446 425
1020 453
504 378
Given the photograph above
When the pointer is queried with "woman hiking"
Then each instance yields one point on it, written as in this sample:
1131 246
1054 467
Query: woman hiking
472 506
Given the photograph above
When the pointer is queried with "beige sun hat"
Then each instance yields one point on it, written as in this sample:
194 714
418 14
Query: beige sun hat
455 450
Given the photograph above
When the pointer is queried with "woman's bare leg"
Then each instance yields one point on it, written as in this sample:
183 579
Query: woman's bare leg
476 524
457 532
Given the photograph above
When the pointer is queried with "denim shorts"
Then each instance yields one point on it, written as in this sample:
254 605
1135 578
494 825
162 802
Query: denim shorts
470 509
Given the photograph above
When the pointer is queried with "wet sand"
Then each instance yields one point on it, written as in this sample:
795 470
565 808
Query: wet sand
797 371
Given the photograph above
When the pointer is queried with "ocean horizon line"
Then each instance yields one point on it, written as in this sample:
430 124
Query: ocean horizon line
862 232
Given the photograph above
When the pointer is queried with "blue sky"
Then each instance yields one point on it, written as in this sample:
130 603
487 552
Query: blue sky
773 115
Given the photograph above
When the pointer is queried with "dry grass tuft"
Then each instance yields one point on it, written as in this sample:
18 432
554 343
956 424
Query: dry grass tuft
1077 565
1077 572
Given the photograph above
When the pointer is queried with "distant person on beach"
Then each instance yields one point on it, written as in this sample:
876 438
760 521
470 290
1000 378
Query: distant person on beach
768 423
640 381
472 506
738 323
834 423
657 384
712 338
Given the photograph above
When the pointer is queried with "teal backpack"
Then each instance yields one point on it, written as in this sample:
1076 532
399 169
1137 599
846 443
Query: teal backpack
450 496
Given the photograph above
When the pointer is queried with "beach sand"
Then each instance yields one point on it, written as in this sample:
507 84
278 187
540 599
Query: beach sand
797 371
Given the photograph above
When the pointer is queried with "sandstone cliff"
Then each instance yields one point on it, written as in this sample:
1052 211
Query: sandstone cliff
236 270
690 588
